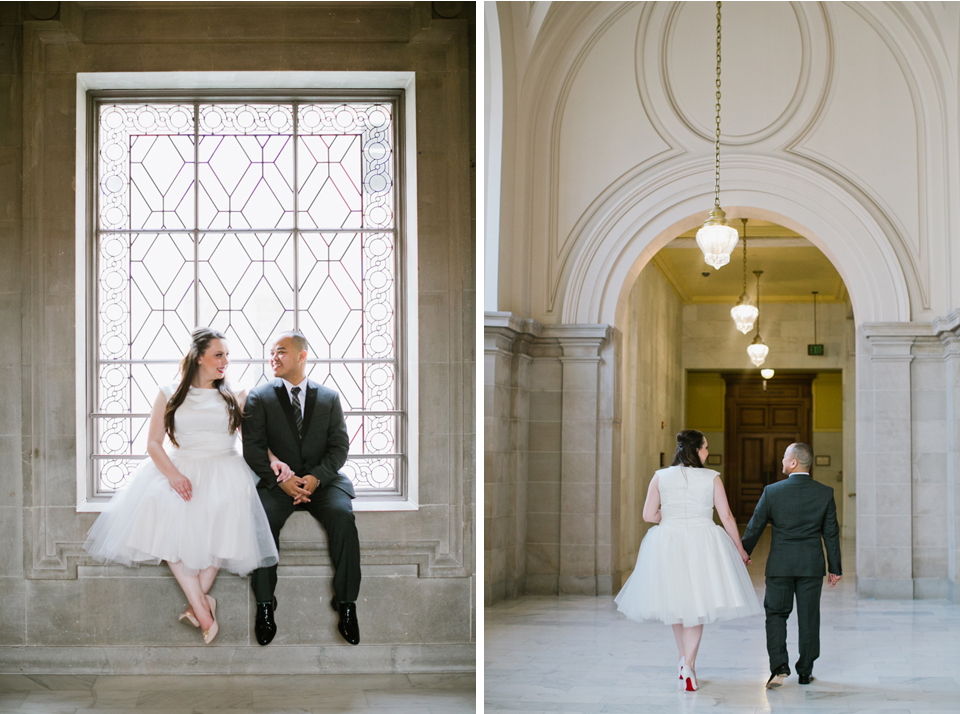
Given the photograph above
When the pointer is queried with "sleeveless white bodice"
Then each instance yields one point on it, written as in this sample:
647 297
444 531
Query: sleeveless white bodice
686 495
201 424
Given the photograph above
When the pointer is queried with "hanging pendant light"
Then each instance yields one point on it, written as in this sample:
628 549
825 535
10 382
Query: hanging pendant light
715 238
744 313
757 350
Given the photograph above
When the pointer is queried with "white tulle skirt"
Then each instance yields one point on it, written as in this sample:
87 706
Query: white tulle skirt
689 574
223 524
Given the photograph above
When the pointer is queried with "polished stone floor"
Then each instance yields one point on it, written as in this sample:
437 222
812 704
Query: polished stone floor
578 654
238 694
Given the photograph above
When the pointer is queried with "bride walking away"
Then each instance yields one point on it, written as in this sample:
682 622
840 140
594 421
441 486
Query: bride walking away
689 572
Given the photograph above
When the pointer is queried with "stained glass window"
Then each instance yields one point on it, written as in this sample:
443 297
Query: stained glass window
251 218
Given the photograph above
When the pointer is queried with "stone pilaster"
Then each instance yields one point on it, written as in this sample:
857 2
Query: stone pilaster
884 462
584 549
507 363
948 331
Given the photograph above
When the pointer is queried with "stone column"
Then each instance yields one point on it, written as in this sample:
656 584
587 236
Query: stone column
499 332
950 338
884 468
507 341
584 557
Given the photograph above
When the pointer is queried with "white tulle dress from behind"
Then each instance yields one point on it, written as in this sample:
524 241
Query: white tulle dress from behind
223 524
688 570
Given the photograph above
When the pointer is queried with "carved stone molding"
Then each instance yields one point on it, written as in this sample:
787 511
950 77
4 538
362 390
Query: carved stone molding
657 80
508 332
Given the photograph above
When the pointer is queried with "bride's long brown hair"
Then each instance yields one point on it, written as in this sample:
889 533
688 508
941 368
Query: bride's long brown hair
200 339
689 442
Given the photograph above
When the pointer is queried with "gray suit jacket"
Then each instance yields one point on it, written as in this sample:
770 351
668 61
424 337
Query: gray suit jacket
801 512
269 422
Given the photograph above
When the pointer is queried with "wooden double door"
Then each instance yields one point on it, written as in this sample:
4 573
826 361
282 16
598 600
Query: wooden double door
760 425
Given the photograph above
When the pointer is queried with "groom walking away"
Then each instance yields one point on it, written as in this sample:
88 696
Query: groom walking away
801 512
302 423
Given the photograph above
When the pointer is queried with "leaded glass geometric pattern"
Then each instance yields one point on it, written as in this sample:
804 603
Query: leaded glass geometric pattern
251 218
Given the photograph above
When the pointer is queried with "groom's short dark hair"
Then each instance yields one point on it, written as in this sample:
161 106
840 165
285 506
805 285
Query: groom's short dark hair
803 453
299 339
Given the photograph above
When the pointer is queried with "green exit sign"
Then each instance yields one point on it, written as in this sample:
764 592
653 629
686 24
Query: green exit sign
815 350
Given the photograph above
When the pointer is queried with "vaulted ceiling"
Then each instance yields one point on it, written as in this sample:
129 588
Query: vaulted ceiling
792 266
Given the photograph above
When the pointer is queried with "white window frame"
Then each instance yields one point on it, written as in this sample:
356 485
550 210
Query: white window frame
304 82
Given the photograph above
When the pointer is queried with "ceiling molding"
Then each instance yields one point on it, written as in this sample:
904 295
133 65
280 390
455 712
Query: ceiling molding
760 242
671 277
780 299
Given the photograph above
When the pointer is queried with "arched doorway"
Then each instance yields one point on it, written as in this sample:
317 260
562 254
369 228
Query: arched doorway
684 365
623 234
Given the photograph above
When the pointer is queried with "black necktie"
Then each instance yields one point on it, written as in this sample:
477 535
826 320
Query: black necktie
297 415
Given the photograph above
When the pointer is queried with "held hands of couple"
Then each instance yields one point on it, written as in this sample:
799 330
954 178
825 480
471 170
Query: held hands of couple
281 471
299 488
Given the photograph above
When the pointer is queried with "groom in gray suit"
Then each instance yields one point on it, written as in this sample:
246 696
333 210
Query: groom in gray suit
302 423
801 512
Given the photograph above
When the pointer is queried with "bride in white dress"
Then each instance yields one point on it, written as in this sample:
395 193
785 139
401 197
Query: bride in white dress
690 571
193 504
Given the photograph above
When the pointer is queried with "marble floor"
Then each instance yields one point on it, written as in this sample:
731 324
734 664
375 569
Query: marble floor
238 694
578 654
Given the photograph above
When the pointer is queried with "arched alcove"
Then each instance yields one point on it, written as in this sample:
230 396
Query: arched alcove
647 211
641 216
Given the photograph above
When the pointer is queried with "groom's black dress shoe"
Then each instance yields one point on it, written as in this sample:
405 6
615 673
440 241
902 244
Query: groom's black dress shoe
776 679
265 627
806 678
348 627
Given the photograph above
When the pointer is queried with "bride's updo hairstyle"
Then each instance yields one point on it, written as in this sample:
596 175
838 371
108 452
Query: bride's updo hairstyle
689 442
200 340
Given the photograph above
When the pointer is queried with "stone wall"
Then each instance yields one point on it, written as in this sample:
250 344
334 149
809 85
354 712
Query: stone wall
12 485
551 458
60 612
907 436
506 438
653 388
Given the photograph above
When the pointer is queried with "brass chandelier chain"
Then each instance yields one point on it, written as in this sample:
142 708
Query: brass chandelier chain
758 273
744 254
716 201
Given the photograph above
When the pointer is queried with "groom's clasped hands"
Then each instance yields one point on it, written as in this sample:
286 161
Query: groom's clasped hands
300 488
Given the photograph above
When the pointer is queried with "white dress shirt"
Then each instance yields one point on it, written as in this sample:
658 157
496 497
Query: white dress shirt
302 396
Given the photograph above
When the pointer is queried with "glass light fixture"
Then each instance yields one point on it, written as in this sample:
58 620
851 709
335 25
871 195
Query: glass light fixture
744 313
715 238
767 373
757 350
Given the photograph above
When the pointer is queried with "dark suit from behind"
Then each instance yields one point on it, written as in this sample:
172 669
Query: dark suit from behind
320 452
803 516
